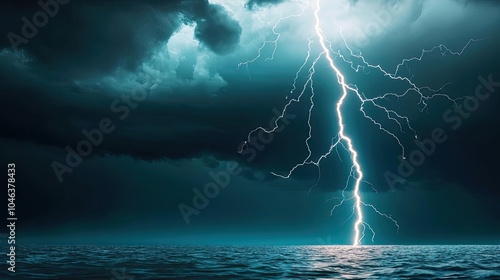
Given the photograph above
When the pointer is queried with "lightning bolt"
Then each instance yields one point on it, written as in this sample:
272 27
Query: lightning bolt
357 62
342 135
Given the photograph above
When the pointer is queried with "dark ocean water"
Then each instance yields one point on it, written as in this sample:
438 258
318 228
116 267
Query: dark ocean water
265 262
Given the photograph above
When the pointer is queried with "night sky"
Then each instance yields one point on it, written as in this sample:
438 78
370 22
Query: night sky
162 78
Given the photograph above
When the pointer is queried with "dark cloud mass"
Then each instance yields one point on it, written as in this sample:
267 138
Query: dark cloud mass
100 36
217 30
90 37
254 3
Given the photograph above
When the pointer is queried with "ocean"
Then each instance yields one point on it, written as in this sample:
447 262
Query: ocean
254 262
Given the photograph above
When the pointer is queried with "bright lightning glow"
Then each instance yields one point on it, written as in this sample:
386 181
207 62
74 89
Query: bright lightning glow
352 151
357 62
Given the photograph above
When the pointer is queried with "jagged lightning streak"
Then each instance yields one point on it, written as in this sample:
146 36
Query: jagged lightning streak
342 139
342 135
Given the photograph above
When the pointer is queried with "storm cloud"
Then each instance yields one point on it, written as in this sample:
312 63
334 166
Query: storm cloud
201 106
69 62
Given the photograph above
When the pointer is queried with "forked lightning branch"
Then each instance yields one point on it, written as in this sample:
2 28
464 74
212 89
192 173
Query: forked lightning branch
333 56
11 218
